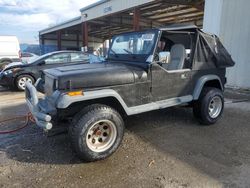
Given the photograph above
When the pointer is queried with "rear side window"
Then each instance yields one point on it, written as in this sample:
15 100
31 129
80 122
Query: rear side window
58 58
79 57
26 55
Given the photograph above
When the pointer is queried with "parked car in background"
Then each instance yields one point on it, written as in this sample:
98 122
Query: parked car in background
28 57
9 50
15 75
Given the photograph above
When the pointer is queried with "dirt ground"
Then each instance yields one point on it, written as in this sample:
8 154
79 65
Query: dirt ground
164 148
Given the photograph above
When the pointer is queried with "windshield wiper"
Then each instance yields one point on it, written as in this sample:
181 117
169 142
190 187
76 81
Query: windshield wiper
127 51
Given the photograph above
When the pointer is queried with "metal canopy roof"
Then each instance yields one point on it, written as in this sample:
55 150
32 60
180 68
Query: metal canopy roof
93 5
167 12
156 14
63 25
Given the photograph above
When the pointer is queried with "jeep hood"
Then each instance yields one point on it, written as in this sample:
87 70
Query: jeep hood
94 75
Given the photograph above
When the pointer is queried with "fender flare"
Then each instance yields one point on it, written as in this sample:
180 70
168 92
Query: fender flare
201 82
26 73
65 101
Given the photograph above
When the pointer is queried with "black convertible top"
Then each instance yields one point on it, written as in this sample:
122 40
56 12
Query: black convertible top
209 48
209 51
178 27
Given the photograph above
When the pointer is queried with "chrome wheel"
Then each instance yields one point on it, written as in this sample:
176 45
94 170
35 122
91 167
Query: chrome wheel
215 107
101 136
22 81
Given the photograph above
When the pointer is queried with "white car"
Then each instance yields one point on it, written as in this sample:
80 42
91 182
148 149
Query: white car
9 50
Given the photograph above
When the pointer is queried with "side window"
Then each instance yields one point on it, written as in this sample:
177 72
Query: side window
58 58
26 55
174 50
78 57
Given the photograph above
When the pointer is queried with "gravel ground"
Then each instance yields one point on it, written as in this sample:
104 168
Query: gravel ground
164 148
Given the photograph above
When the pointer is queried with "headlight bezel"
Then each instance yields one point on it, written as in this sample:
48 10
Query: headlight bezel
7 72
10 71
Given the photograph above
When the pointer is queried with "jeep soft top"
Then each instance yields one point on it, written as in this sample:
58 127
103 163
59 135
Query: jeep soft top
144 71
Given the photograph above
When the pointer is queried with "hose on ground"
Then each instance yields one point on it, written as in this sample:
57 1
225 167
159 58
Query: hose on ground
28 118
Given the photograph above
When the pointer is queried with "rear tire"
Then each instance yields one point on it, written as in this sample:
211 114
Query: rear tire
209 108
20 81
96 132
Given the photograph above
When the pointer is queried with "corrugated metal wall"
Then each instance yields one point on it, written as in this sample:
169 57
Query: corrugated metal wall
230 19
110 7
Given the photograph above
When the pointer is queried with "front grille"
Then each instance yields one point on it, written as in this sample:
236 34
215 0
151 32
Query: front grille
49 85
27 94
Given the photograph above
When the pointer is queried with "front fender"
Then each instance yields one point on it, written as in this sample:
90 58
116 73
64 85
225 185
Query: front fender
65 100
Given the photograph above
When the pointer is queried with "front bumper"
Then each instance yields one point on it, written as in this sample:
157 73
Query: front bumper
42 119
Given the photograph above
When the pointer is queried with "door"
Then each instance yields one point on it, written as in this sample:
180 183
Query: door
170 84
171 76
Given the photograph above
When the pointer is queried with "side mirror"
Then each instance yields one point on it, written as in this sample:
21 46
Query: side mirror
164 57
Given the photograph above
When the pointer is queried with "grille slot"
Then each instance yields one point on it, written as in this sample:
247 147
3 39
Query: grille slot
49 85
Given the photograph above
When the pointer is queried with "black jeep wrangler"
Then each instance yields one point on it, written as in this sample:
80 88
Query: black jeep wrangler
144 71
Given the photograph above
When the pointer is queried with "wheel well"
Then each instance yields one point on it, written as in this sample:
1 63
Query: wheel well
78 106
22 75
213 83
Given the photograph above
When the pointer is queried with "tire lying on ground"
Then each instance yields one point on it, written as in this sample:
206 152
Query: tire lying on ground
96 132
20 81
209 107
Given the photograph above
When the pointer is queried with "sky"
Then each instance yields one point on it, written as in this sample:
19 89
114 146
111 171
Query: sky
24 18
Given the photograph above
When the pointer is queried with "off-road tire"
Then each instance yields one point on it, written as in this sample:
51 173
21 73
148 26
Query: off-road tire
201 106
81 124
23 76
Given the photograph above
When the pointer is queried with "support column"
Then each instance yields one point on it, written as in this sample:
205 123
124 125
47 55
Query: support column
42 39
59 40
77 41
109 39
136 19
42 42
84 34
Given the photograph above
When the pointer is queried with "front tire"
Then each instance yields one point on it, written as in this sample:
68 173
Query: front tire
96 132
209 108
22 79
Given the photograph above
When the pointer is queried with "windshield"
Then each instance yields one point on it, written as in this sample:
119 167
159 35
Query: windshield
134 46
